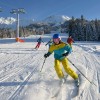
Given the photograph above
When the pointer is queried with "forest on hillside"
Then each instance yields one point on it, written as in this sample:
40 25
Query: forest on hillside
80 29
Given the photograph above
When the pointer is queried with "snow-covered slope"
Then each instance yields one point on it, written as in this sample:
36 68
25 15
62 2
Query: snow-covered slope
21 79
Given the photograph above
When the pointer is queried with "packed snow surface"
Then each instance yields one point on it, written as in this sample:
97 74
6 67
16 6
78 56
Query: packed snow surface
21 79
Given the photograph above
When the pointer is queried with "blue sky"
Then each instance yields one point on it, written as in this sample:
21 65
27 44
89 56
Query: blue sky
40 9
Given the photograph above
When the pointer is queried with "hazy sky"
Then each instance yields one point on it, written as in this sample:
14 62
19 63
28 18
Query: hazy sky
40 9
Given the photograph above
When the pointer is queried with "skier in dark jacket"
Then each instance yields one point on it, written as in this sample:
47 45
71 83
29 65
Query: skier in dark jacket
70 41
49 43
39 43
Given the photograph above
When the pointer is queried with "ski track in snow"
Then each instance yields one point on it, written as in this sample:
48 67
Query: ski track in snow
13 70
13 64
20 77
16 71
22 85
92 76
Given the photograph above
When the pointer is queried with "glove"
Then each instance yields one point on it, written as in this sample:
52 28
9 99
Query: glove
46 55
65 54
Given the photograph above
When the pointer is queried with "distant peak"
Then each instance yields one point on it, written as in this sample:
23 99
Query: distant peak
8 20
56 19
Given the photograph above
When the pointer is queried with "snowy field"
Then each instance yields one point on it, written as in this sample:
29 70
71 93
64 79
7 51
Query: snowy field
21 79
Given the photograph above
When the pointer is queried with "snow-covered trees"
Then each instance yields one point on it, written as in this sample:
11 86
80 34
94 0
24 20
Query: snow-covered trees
84 30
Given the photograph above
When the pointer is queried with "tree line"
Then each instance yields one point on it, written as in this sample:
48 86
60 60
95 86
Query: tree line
80 29
83 30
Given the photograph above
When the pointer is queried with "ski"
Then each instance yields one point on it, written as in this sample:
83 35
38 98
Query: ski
61 85
57 93
77 91
77 86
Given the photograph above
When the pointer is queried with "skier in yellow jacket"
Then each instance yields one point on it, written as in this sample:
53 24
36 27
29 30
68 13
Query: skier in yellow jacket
61 50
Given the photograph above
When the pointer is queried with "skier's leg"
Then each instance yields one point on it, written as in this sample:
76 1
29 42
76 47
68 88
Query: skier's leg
36 46
39 45
68 69
58 69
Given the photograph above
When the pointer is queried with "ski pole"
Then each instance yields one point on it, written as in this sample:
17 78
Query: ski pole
43 64
81 73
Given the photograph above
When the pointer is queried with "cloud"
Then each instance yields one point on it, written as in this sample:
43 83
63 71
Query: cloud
7 21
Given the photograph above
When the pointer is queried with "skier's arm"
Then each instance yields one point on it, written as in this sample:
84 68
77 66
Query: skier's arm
42 40
47 44
47 55
37 40
49 52
68 49
73 41
65 54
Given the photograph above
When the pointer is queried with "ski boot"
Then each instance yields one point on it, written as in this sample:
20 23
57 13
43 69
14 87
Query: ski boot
77 81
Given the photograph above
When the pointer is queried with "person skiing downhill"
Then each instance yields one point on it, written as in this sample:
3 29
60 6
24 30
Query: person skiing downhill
61 50
39 43
49 43
70 41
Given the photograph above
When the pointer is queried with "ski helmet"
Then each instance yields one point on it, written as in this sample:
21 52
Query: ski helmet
55 36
